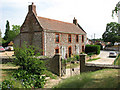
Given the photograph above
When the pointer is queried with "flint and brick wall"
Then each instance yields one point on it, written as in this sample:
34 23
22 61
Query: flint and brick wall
54 64
50 44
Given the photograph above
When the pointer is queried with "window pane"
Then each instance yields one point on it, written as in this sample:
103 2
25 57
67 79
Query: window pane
69 38
76 38
82 38
57 37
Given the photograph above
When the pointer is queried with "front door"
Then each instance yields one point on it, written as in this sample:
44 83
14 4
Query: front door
63 52
69 51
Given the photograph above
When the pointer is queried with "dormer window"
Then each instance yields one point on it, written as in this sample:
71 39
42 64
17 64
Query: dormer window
57 38
69 38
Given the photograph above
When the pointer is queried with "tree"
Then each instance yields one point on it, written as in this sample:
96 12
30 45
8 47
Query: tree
0 37
116 9
14 32
111 33
7 30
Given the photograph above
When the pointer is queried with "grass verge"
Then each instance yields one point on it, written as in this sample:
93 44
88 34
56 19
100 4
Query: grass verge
93 59
106 78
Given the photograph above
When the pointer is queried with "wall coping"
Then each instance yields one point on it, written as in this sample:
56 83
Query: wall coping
103 65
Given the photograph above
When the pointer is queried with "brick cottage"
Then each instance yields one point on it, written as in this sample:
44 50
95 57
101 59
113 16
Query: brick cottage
52 36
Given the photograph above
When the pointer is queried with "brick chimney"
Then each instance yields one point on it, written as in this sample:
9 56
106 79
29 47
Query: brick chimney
32 8
75 21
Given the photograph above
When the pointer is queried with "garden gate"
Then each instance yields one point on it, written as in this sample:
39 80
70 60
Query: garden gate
74 68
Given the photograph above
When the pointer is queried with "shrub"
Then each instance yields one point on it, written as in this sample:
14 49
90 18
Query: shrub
92 49
26 57
6 84
29 80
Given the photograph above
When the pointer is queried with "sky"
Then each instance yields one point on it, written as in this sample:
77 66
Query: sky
92 15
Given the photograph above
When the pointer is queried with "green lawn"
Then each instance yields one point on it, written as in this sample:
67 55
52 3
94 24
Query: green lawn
106 78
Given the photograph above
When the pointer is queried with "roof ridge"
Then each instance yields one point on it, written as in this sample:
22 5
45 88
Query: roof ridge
55 20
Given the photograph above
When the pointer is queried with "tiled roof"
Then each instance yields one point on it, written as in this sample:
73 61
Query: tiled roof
59 26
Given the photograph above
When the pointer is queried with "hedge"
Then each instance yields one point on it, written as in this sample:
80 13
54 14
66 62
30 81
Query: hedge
92 49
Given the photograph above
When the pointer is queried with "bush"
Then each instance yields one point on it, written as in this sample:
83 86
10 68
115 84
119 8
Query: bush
6 84
92 49
29 80
26 57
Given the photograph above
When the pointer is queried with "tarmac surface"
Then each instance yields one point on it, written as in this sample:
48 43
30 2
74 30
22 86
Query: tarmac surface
104 58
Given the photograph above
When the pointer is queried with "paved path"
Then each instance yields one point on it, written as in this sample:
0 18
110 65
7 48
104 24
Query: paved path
104 58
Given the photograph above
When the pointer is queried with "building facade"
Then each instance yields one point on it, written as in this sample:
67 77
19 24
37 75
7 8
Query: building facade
51 36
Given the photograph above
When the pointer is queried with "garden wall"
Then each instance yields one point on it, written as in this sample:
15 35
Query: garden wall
93 67
54 64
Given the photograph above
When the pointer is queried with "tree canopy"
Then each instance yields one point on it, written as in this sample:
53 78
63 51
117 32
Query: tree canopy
112 33
116 9
7 30
14 32
10 34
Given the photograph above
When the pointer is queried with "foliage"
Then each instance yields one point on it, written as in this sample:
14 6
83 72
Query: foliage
10 35
14 32
7 30
6 84
26 57
50 74
117 60
29 80
32 68
92 49
0 37
101 47
77 57
116 9
112 33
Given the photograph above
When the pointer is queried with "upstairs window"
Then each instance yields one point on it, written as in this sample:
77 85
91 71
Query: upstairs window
57 38
69 38
82 38
77 38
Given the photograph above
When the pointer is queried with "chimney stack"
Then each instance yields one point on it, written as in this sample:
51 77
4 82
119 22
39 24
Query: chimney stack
75 21
32 8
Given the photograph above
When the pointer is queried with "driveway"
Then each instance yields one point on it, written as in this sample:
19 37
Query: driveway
104 58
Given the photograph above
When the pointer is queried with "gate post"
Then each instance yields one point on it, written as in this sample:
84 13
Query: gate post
82 62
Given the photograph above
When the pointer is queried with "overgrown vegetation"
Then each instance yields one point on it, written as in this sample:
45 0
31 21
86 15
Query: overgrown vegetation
31 70
106 78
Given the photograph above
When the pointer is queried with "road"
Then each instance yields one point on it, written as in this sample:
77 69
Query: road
104 58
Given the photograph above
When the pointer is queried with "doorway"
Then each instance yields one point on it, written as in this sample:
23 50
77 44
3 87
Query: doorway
69 51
